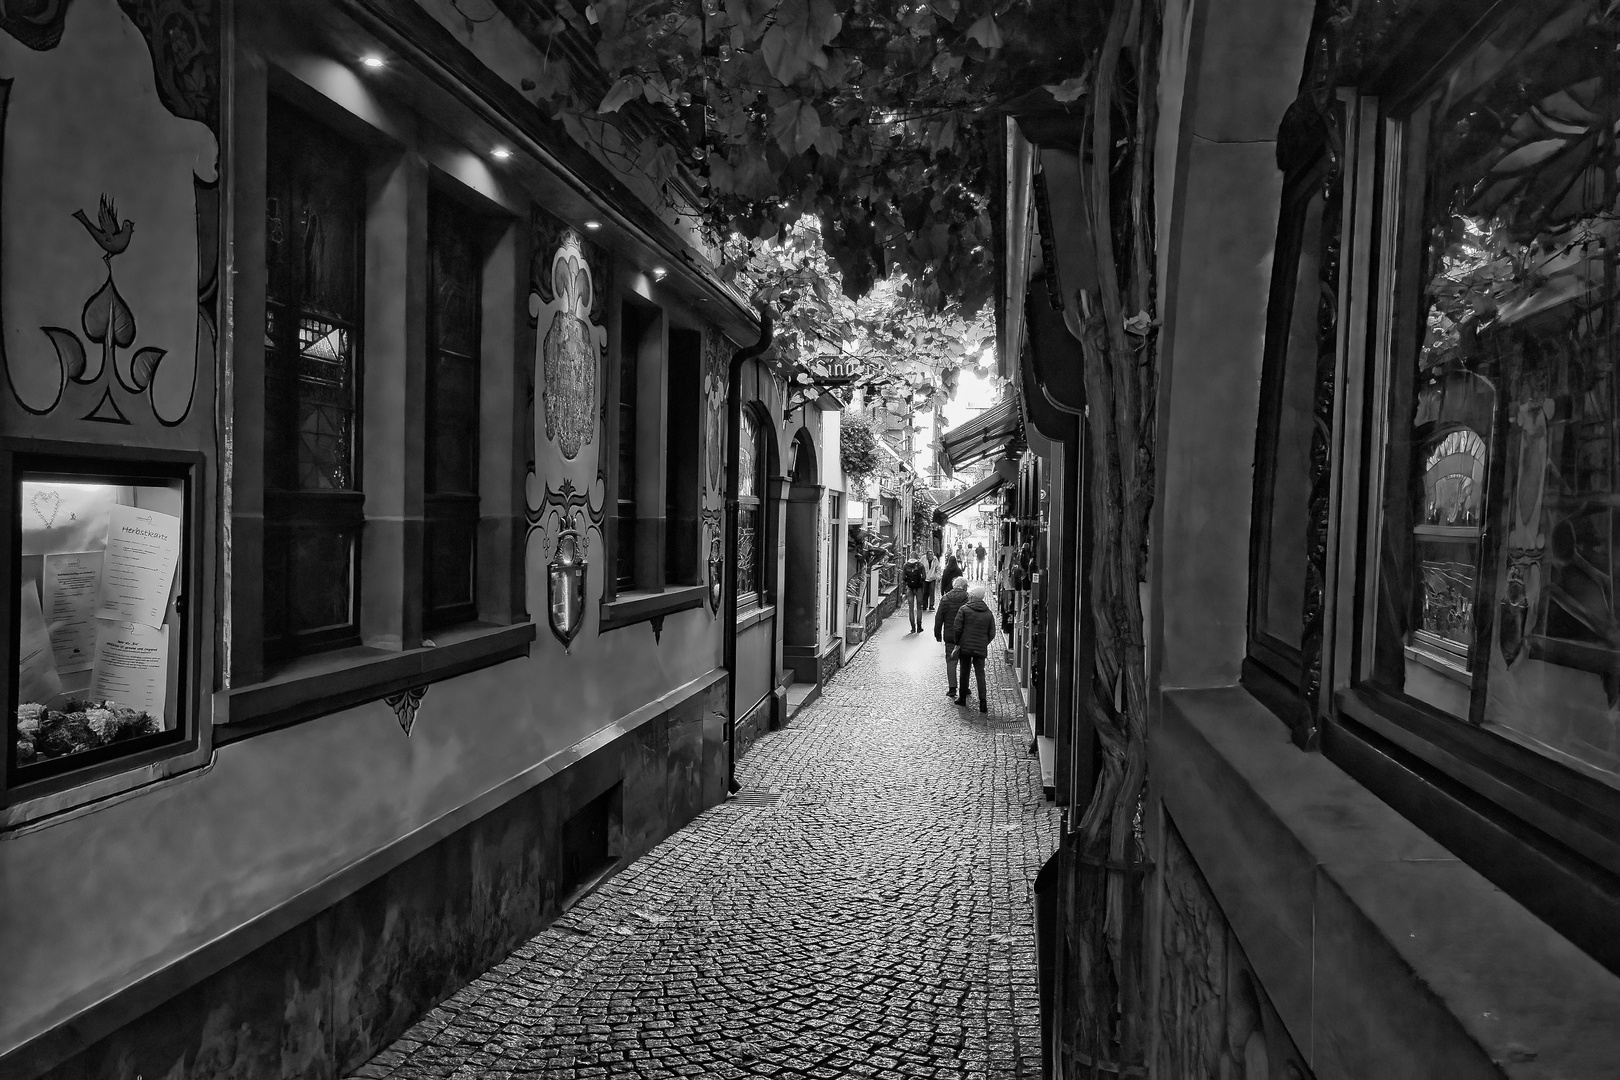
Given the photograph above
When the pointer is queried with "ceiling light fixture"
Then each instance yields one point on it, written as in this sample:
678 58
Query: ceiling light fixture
500 153
593 225
373 61
658 273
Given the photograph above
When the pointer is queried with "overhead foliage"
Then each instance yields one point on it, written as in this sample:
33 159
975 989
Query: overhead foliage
889 340
867 115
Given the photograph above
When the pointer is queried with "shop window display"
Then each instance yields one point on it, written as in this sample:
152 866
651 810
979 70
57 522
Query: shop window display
1501 509
98 620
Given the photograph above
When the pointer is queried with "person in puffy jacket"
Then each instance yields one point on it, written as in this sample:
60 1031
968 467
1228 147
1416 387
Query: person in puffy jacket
975 630
945 627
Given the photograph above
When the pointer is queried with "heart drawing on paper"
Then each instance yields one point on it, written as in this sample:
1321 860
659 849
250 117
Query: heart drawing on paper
46 504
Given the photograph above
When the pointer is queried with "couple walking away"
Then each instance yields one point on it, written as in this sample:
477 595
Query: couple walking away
964 623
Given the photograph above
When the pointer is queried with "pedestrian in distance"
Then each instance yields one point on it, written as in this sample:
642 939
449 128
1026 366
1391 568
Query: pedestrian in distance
930 563
945 627
912 575
975 630
979 553
951 571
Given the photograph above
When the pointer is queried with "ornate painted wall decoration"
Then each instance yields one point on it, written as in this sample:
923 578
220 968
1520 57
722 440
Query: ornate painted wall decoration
125 167
566 488
563 301
35 23
715 364
405 703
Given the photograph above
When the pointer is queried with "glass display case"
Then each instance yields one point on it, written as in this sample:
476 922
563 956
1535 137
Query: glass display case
100 555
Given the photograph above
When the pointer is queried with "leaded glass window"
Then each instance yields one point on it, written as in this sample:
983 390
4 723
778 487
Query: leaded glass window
629 369
749 516
1497 600
314 235
455 270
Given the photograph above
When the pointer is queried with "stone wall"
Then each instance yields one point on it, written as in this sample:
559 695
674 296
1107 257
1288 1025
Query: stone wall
332 990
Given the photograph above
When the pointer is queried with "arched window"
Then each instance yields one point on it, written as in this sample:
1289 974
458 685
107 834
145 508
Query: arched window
750 486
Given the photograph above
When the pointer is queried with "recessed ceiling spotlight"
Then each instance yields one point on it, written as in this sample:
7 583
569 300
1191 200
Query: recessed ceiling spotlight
373 61
500 153
658 273
593 225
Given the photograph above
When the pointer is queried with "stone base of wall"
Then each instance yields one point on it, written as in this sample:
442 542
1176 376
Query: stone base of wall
831 660
330 992
754 723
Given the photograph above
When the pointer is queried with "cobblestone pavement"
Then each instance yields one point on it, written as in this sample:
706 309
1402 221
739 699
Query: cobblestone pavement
877 921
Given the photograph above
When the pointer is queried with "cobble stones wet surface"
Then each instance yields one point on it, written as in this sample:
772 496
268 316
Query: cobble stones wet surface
874 920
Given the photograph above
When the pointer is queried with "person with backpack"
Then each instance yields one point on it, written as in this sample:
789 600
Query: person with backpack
975 630
912 575
945 626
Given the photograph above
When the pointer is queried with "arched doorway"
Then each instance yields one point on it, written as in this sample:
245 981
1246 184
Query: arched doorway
801 569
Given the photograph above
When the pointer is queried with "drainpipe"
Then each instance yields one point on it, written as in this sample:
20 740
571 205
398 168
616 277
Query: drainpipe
729 607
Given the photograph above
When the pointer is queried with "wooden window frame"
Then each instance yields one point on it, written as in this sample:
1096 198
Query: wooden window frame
262 693
290 510
1280 661
1544 832
449 508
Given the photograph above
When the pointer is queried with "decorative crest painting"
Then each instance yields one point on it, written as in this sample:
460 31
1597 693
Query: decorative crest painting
566 485
110 207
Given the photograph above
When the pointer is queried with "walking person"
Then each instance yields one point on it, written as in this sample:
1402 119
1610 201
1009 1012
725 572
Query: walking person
975 630
950 572
945 626
912 575
930 563
979 553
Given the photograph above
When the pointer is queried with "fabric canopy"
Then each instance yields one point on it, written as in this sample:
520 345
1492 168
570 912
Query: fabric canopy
985 435
971 496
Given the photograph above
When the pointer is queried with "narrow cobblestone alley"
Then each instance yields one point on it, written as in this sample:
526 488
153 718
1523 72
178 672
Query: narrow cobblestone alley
866 909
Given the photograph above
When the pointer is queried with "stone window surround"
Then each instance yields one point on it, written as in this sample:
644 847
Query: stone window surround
1384 953
407 158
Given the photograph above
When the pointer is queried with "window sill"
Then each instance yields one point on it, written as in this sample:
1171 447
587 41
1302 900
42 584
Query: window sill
630 608
745 619
1381 949
315 686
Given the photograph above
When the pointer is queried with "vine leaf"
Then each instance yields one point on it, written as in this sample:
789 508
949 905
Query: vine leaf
795 127
793 45
626 89
986 33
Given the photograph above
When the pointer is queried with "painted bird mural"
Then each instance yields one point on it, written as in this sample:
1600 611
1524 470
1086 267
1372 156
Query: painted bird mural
107 233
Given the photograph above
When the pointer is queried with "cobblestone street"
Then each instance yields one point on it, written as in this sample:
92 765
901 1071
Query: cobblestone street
865 910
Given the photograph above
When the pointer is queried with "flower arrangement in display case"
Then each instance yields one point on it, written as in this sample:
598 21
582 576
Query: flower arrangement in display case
77 725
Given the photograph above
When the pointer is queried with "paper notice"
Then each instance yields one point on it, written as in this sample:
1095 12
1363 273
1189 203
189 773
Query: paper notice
37 681
131 666
66 516
72 590
143 547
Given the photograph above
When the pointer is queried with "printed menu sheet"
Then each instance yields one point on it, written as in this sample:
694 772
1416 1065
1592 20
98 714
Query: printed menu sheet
72 594
37 680
131 666
143 547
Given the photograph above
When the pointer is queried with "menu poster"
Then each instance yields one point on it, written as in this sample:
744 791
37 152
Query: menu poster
72 584
37 680
131 666
143 547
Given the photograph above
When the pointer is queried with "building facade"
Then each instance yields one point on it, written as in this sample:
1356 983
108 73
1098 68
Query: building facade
367 582
1378 830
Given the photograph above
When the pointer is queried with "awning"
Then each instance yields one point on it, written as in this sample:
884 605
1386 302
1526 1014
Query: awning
986 435
972 496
